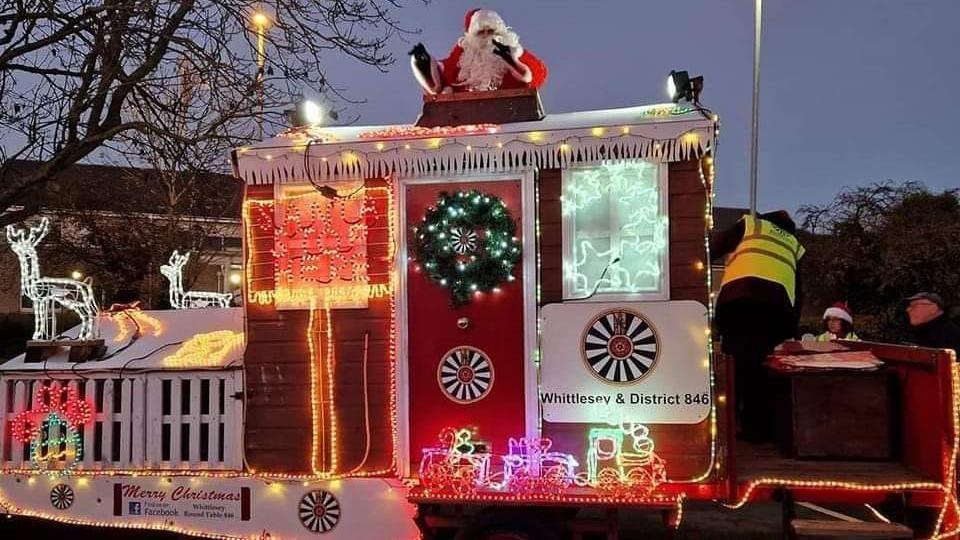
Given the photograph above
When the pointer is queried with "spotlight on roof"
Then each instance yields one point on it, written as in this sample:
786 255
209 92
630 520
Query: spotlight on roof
307 112
681 86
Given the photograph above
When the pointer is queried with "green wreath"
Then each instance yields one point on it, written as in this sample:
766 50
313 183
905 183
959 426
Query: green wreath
468 243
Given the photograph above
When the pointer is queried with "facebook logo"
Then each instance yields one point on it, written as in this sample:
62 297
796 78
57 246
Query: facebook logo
134 508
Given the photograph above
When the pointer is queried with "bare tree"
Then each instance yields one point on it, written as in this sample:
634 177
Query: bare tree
874 245
76 74
117 225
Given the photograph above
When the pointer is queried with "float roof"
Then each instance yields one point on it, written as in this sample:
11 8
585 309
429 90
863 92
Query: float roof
665 132
163 334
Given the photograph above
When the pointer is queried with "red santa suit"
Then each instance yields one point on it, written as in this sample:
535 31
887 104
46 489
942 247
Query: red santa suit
474 66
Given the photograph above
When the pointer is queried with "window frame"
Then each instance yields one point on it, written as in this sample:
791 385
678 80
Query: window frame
568 220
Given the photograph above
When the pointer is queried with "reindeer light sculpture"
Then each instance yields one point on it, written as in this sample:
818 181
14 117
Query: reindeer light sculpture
45 292
190 299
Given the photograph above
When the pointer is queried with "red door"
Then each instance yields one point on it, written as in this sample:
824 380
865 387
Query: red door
465 362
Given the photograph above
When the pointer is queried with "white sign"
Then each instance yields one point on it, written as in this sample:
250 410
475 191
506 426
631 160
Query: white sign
135 500
625 362
243 507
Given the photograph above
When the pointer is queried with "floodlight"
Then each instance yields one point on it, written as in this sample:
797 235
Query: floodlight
311 112
681 86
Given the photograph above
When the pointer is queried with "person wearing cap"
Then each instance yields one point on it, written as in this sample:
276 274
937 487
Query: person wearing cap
839 323
929 323
758 307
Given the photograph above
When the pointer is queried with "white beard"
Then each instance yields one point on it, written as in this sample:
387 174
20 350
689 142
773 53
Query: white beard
480 68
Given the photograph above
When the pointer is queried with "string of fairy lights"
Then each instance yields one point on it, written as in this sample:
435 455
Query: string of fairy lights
487 150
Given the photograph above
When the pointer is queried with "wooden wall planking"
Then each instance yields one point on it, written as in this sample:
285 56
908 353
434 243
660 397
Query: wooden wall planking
277 362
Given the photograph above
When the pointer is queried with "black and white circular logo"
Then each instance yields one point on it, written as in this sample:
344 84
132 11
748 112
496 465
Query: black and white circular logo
463 240
620 346
61 496
319 511
465 374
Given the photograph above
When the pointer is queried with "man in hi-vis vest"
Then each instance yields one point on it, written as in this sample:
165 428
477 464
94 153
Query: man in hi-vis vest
758 307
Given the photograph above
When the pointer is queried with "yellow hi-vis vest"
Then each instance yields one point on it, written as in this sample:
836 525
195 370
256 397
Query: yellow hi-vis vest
766 252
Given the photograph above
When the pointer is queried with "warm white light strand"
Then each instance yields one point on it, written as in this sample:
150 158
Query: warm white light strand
45 292
189 299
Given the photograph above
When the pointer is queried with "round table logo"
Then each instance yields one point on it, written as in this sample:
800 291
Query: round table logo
61 496
620 346
319 511
465 374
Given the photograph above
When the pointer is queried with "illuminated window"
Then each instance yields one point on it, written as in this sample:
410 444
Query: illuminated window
615 231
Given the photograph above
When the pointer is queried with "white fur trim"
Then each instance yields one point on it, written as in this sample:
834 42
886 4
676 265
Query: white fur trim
480 69
486 18
837 313
524 74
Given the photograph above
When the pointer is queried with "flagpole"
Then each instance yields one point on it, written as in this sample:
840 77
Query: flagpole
755 127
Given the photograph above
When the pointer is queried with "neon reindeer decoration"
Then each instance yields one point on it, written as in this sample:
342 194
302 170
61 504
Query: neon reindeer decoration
45 292
190 299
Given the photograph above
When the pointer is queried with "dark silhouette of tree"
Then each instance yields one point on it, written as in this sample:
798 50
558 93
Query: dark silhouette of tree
75 75
877 244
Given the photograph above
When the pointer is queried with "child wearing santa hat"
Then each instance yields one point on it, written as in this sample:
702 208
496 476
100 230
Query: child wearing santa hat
839 323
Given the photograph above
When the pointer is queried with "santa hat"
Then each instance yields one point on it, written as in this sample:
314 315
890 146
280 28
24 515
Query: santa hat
477 19
839 310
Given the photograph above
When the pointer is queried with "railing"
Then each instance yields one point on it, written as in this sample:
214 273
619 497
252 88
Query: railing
144 421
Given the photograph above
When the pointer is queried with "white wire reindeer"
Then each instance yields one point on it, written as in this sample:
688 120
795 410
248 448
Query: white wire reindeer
190 299
46 292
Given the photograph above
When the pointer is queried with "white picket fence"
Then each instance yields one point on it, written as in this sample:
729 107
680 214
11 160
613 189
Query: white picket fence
144 421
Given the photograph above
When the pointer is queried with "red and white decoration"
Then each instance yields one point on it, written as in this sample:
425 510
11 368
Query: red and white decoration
320 246
465 374
319 511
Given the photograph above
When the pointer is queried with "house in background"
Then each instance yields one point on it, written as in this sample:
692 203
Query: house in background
117 225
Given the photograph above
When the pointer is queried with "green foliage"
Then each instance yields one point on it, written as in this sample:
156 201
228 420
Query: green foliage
875 245
467 242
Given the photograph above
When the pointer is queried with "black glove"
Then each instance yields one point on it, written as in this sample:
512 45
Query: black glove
505 52
502 50
420 54
421 59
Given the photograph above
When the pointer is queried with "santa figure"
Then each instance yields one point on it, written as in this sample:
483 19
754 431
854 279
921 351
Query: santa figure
488 57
